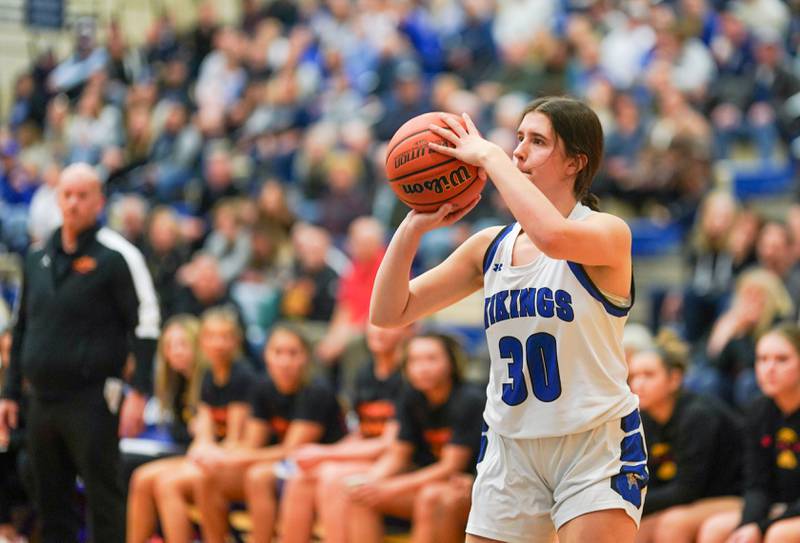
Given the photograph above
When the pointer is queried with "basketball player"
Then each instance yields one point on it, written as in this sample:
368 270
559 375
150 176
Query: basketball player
564 449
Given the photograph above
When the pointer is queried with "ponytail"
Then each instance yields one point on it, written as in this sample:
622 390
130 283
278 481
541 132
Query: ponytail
591 201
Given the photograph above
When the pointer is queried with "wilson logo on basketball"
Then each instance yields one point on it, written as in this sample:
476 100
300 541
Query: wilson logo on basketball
439 184
414 153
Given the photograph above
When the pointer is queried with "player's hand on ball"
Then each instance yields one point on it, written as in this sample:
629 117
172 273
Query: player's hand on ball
446 215
468 144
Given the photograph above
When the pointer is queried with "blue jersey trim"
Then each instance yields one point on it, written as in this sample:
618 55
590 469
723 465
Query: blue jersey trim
631 422
587 283
491 250
633 448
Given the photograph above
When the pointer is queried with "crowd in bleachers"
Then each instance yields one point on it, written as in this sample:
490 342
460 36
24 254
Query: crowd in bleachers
245 161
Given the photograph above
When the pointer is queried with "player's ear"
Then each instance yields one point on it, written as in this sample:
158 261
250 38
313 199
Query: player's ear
576 163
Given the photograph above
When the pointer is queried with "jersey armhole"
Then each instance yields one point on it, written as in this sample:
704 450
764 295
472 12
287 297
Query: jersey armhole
611 308
491 250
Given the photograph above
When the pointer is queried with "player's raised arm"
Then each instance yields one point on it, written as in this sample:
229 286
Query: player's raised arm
396 301
602 240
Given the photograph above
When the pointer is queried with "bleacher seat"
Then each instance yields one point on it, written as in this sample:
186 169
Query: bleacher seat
762 180
652 239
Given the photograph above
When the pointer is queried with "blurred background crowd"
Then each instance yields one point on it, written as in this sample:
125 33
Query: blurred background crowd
245 158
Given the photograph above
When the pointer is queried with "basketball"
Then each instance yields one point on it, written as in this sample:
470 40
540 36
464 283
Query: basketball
422 179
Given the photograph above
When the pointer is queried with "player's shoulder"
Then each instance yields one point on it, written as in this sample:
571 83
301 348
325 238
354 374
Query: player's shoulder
608 220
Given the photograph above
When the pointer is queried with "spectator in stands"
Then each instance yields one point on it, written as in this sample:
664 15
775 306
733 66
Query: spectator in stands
375 399
274 208
440 418
408 99
228 241
288 409
221 417
221 79
93 127
203 287
624 143
44 215
771 510
165 253
711 265
366 246
218 183
743 237
29 105
310 294
175 151
180 369
345 198
774 251
693 452
128 216
759 301
259 288
690 64
86 60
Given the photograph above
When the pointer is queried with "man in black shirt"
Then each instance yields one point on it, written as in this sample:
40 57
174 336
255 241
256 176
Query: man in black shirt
87 303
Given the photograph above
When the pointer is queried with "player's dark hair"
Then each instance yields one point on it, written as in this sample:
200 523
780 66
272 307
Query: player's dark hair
455 354
579 128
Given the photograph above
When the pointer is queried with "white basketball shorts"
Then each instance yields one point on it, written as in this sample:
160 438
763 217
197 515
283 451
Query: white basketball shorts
526 489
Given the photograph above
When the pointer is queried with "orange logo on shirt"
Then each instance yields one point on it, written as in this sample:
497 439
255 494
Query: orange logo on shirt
437 438
219 416
664 461
84 264
279 425
373 417
787 446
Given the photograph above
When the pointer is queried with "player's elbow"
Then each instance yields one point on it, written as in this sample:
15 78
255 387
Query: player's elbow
381 319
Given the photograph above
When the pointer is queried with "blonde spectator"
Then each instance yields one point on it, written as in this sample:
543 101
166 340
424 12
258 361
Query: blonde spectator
180 370
760 300
219 426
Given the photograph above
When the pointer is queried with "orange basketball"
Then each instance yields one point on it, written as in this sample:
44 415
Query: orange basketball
423 179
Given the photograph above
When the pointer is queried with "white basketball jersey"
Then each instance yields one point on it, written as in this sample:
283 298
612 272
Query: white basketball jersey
555 341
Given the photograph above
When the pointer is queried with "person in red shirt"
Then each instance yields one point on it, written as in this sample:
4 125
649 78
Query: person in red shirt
366 245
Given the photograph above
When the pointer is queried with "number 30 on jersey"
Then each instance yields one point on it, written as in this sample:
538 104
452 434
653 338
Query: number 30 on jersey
541 358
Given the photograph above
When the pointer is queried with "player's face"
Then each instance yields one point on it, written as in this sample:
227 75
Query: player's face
178 350
539 153
218 341
427 366
286 359
649 380
777 366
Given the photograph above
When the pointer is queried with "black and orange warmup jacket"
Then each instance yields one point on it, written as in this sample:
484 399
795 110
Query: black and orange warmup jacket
80 316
